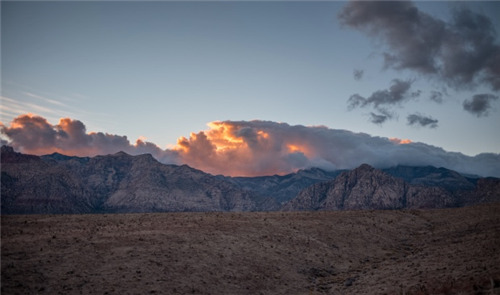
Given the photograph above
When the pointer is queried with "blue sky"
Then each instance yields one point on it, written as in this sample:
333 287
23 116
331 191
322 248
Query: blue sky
162 70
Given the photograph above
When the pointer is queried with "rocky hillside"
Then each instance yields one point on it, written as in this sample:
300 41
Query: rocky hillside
283 188
368 188
123 183
113 183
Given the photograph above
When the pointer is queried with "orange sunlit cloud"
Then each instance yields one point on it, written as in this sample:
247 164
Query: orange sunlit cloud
236 149
263 134
223 136
226 148
264 148
296 148
244 148
231 148
400 141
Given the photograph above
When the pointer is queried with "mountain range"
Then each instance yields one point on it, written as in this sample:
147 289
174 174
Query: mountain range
121 183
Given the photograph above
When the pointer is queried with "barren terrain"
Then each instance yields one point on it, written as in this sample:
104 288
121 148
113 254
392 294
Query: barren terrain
448 251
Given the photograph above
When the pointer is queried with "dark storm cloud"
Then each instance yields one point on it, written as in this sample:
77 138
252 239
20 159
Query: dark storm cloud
424 121
461 52
480 104
358 74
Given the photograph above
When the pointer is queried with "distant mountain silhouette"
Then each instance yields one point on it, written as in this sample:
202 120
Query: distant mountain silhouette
120 182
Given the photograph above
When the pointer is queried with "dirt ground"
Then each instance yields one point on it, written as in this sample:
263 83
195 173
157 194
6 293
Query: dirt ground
451 251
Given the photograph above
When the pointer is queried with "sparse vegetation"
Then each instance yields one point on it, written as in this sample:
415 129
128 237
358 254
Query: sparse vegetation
450 251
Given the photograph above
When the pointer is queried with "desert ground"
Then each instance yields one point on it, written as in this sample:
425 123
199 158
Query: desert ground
451 251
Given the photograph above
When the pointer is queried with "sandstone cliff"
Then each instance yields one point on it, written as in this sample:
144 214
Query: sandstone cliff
368 188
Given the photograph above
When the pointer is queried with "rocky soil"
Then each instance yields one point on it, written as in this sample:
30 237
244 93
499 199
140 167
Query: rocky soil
445 251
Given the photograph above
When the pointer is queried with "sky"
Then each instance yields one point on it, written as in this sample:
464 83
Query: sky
255 87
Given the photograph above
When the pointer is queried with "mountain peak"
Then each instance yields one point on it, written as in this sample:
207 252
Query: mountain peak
368 188
365 167
11 156
125 183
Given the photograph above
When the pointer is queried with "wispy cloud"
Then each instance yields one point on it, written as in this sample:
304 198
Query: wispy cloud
29 100
12 107
46 100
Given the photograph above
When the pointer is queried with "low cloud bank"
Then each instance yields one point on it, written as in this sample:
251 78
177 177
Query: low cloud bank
248 148
33 134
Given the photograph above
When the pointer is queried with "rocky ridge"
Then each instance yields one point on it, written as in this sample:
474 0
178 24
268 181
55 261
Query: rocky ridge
368 188
283 188
113 183
123 183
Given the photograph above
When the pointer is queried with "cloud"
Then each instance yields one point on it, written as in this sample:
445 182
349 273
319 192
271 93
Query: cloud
11 107
358 74
424 121
397 93
45 100
399 140
461 52
436 96
382 116
263 147
480 104
33 134
32 131
248 148
378 118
